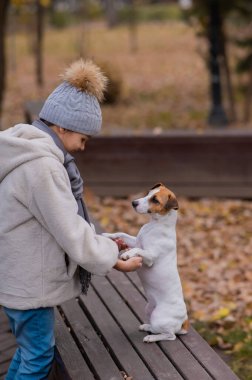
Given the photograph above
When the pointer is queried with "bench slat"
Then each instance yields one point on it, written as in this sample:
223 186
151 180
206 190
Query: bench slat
105 369
6 336
136 281
3 370
154 358
177 353
119 346
7 339
7 343
76 367
207 357
199 348
191 164
193 190
5 326
7 354
211 163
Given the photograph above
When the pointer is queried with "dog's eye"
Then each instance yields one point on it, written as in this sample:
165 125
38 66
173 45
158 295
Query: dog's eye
155 200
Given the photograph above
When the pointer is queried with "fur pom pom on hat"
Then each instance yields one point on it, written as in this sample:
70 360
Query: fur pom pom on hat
74 104
86 76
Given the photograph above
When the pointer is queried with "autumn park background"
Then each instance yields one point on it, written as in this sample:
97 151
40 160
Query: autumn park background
171 65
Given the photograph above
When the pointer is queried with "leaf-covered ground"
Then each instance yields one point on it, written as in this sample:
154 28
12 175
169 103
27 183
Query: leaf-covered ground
215 264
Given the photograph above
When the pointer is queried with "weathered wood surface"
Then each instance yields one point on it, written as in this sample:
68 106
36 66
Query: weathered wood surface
7 344
97 337
206 165
214 163
104 327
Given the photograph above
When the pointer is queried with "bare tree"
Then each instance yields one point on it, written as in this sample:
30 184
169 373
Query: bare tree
132 22
39 43
4 4
217 116
111 12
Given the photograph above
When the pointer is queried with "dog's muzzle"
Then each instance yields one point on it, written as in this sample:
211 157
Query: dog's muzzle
135 203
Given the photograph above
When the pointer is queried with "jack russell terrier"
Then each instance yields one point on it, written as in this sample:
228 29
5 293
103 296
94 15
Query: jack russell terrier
156 243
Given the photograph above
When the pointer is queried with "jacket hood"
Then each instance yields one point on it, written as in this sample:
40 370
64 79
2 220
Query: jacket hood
24 143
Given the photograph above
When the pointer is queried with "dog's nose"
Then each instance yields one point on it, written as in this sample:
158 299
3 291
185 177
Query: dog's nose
134 204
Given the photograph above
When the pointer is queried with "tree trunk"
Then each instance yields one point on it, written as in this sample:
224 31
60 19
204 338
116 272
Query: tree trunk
39 44
111 13
4 4
227 72
83 33
132 23
217 116
248 100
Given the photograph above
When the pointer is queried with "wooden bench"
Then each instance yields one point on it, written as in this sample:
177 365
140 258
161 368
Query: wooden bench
7 344
214 163
97 337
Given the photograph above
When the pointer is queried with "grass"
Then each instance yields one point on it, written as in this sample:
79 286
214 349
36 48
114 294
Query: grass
238 343
153 12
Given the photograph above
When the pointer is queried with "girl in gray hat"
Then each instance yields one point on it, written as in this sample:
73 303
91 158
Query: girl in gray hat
48 247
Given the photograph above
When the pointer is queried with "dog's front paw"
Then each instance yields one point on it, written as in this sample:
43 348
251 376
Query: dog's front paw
125 256
130 253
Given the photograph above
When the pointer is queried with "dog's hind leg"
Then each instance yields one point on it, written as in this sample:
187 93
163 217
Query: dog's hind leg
150 306
158 337
145 327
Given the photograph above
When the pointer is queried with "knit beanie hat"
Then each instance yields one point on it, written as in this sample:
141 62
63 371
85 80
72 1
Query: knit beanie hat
74 104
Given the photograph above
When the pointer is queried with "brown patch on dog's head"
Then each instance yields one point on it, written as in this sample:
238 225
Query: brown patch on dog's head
163 200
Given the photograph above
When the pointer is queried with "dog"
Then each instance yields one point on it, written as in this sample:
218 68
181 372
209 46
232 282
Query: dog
156 243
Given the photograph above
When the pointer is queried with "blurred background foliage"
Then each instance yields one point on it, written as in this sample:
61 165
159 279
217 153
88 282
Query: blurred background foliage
223 27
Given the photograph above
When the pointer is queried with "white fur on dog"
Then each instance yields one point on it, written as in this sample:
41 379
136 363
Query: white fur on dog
156 243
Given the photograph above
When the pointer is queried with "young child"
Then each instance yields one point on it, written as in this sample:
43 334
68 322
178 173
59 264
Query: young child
48 247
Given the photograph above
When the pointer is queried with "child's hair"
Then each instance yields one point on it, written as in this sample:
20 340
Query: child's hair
47 122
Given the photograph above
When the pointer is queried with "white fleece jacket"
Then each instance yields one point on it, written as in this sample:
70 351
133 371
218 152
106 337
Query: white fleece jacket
39 223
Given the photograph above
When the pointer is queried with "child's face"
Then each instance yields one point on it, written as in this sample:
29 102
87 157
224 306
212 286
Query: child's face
74 141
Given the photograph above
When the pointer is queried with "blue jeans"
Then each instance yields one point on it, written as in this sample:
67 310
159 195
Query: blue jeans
34 332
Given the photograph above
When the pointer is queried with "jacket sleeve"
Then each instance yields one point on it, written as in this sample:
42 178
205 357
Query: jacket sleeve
52 203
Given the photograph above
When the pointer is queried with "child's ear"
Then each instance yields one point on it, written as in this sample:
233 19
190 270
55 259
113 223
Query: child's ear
62 130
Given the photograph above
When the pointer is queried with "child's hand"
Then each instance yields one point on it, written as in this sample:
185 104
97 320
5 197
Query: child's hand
129 265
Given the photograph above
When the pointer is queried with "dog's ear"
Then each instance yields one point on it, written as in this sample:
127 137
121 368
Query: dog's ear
157 185
171 203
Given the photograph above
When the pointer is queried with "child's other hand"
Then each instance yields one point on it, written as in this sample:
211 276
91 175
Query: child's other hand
129 265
